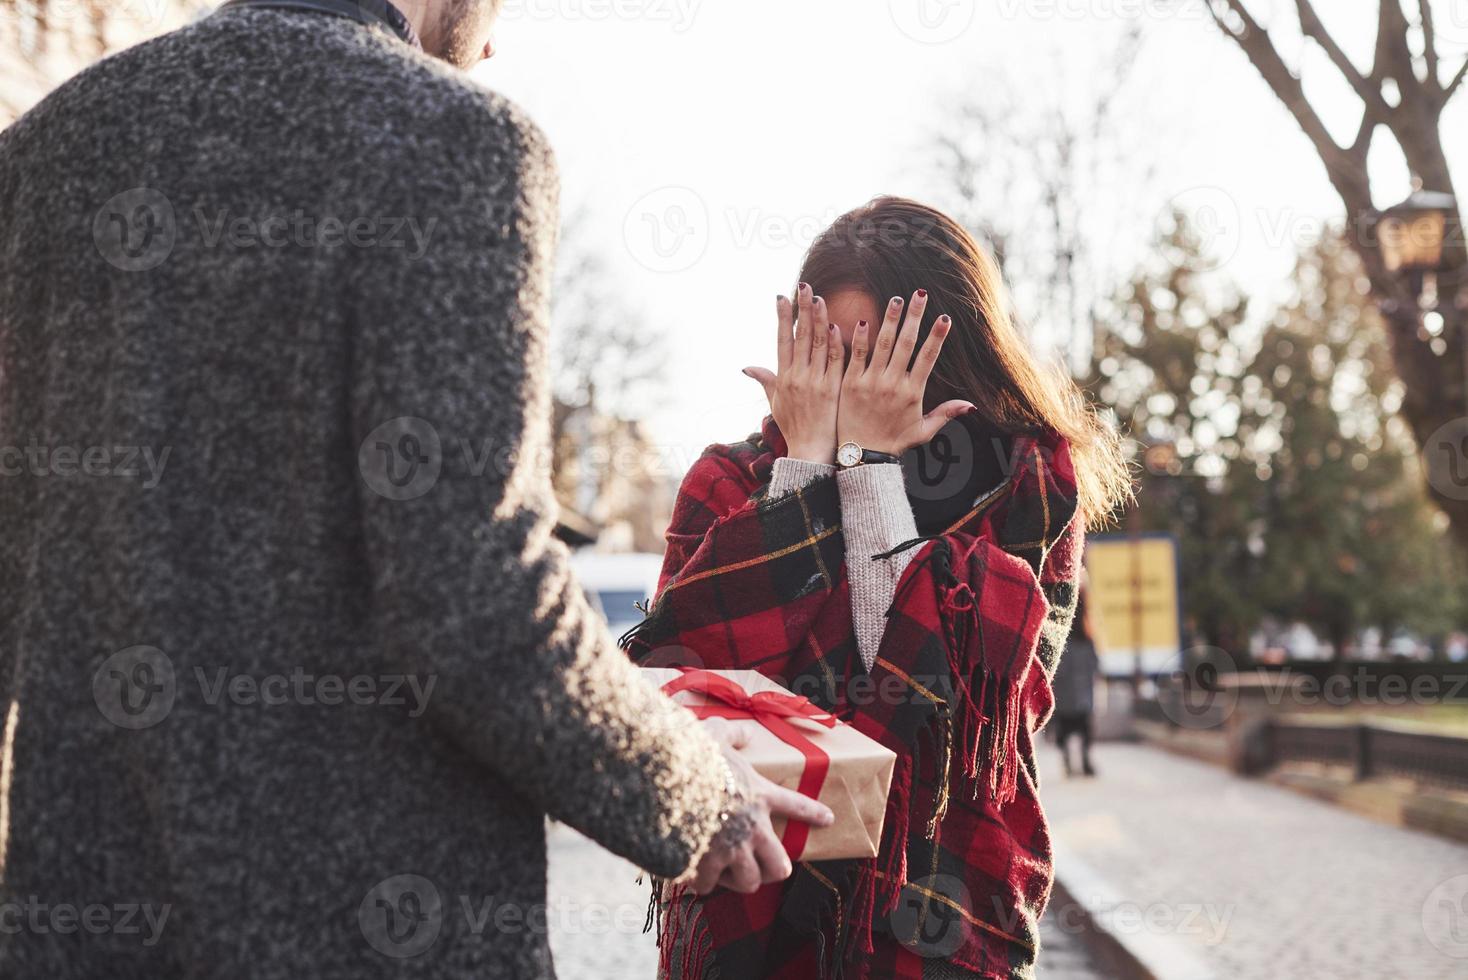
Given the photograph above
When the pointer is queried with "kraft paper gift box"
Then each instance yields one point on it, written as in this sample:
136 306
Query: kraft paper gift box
858 770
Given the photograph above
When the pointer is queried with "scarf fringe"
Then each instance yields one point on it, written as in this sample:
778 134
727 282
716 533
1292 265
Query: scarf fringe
986 705
682 933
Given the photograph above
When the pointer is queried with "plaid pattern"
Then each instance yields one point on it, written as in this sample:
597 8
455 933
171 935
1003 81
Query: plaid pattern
960 684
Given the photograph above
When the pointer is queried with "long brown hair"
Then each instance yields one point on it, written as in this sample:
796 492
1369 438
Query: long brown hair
893 247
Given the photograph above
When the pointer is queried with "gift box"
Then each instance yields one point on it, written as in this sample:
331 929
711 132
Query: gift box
799 746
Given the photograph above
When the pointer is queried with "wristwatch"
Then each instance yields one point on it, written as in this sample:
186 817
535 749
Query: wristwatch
850 454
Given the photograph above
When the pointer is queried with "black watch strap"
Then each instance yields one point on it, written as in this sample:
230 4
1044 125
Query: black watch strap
872 456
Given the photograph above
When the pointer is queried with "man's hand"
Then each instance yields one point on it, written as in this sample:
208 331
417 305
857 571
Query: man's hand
745 853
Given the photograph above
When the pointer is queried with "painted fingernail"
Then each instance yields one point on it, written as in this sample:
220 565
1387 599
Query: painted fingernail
861 324
804 288
896 300
922 294
944 320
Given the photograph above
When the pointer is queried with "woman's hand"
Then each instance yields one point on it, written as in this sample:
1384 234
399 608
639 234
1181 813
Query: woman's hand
882 402
745 853
803 395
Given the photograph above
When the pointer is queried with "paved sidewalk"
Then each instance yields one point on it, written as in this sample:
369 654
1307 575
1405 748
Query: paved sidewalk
596 914
1254 881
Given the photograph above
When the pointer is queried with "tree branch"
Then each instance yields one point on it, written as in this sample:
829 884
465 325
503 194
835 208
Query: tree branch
1312 27
1346 170
1457 80
1429 42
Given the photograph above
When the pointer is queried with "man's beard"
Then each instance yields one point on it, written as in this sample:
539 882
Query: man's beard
458 33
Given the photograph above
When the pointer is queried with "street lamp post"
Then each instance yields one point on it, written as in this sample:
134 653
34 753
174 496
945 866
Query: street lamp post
1413 238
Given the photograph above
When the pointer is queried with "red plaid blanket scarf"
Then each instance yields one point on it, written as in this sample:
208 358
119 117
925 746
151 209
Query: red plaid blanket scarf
960 685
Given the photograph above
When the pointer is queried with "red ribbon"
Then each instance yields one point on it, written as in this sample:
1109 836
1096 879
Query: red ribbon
774 711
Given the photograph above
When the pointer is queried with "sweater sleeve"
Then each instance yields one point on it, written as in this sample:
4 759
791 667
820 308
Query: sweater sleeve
789 475
876 517
450 407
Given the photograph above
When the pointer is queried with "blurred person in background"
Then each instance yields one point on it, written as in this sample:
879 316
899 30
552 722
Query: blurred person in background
1075 686
900 543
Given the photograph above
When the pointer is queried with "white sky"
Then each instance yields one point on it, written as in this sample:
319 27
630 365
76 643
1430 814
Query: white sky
742 127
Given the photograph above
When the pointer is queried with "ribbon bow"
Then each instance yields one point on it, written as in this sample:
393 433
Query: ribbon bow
774 711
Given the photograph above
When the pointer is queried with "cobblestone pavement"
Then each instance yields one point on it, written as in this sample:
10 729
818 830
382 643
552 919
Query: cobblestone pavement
1259 882
597 910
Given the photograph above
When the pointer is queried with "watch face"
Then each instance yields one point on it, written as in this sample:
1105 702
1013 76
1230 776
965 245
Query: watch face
849 454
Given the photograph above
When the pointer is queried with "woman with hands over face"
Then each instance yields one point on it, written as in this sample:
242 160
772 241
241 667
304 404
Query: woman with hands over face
899 543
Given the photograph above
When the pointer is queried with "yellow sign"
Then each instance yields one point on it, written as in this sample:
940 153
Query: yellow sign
1133 597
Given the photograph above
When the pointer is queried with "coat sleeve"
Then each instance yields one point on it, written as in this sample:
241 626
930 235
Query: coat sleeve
744 570
449 409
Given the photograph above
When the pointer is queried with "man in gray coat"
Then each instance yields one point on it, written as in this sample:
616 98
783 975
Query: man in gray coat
291 666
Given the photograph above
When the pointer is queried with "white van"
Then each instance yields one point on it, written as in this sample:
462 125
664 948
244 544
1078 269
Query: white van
615 583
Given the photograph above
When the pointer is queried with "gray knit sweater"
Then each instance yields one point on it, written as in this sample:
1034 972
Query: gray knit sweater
293 666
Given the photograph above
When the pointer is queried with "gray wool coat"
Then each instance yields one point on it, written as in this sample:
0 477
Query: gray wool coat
292 668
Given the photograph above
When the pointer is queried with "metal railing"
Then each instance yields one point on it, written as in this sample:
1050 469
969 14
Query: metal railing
1374 749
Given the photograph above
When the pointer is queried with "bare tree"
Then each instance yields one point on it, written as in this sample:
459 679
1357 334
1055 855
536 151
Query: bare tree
1028 171
1404 92
604 357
